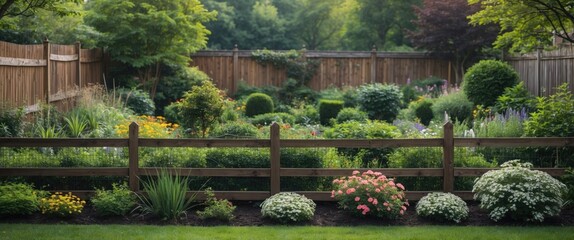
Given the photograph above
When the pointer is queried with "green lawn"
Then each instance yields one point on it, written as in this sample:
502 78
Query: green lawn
45 232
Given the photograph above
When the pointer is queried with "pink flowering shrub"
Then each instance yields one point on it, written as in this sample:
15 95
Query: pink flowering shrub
370 194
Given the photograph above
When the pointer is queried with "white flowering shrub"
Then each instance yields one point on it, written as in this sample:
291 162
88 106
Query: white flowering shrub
288 207
518 192
442 207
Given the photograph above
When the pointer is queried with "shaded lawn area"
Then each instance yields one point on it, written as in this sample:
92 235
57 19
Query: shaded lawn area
36 231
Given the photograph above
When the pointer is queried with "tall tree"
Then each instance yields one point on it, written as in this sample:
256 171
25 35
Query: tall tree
316 23
148 33
13 8
527 24
444 30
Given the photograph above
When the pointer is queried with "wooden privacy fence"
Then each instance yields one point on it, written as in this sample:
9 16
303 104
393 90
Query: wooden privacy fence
49 73
336 69
543 71
448 172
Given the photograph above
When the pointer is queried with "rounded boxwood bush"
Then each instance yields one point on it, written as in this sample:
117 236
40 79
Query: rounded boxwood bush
329 109
423 110
381 102
456 105
258 103
442 207
485 81
520 193
351 114
288 207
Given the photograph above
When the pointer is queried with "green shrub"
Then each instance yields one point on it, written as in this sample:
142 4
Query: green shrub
305 114
137 100
11 120
200 109
329 109
431 86
423 110
258 103
238 129
19 199
381 102
174 84
515 98
173 157
119 201
409 94
485 81
442 207
351 114
220 209
292 90
288 207
27 157
456 105
75 124
520 193
91 157
554 115
268 118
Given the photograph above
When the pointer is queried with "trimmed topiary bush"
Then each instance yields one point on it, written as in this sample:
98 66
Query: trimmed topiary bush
456 105
351 114
520 193
258 103
381 102
442 207
485 81
423 110
329 109
200 109
288 207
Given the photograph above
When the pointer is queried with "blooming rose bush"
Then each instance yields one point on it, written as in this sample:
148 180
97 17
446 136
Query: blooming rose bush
370 193
288 207
518 192
442 207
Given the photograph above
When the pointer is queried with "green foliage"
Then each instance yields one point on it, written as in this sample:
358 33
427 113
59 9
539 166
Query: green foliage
410 94
520 193
137 100
370 194
554 115
268 118
75 125
485 81
27 157
351 114
329 109
442 207
11 120
423 110
200 109
515 98
175 83
287 207
258 103
91 157
432 86
169 157
305 114
238 129
220 209
456 105
381 102
292 90
166 196
116 202
19 199
302 70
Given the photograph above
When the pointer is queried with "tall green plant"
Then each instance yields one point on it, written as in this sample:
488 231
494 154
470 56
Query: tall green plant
200 108
75 125
381 102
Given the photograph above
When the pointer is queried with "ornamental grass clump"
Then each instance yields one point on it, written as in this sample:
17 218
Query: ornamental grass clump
370 194
166 196
517 192
442 207
288 207
63 205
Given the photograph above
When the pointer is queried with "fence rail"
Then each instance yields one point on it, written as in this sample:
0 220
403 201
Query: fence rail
275 171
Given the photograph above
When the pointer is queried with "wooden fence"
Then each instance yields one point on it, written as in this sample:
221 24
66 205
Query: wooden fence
448 172
543 71
49 73
336 69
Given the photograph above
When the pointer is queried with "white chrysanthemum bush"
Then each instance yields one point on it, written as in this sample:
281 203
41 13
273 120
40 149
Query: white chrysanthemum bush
288 207
442 207
517 192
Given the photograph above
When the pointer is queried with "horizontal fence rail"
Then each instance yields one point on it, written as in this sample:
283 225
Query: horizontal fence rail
275 171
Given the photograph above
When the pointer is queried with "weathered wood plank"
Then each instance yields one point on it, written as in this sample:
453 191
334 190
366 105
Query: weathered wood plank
22 62
63 58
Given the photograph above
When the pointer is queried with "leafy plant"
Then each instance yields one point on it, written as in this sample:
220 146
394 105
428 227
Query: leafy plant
381 102
554 115
63 205
166 196
258 103
442 207
351 114
200 108
520 193
515 98
329 109
288 207
220 209
370 193
75 125
305 114
423 110
485 81
119 201
455 105
137 100
169 157
268 118
19 199
48 132
11 120
237 129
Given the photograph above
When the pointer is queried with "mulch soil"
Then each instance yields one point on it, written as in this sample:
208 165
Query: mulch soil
248 213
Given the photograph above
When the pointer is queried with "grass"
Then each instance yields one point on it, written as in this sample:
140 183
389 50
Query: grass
35 231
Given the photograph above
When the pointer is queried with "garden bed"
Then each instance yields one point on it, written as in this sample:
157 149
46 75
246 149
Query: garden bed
248 213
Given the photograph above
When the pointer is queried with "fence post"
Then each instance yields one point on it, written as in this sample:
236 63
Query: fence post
48 71
448 160
235 78
79 66
133 143
374 64
275 173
